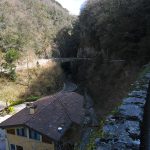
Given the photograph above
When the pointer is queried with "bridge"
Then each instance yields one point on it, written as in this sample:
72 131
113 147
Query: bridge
70 59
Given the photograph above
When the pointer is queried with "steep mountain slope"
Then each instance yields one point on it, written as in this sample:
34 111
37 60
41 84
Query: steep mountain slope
113 30
31 24
118 29
108 31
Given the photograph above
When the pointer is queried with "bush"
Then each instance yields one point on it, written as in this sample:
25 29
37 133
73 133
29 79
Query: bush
10 109
11 55
32 98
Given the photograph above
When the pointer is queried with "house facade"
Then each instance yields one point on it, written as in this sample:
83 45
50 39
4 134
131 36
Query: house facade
51 123
24 138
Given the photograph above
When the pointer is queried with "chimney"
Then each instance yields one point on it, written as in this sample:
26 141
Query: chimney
32 108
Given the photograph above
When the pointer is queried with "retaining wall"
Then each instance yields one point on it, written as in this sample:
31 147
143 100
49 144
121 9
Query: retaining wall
122 130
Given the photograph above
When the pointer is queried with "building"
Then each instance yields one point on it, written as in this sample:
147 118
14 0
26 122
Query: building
51 123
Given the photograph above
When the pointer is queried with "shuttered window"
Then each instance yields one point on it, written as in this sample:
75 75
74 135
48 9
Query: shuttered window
22 132
12 147
34 135
15 147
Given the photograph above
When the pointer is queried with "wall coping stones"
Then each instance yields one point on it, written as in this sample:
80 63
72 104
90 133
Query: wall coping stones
134 100
122 129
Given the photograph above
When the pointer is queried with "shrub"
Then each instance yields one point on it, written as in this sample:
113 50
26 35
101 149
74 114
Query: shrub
11 55
10 109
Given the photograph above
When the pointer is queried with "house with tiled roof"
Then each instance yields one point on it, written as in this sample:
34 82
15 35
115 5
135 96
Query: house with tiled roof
47 124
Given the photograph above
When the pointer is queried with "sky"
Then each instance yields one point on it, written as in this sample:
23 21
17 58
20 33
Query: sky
72 5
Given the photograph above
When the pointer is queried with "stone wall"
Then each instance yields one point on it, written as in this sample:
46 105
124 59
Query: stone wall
122 130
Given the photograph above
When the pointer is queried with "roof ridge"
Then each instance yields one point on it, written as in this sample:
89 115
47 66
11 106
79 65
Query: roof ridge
33 116
65 109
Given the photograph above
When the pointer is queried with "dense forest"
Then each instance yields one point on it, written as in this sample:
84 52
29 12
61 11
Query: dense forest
114 29
116 34
31 25
119 29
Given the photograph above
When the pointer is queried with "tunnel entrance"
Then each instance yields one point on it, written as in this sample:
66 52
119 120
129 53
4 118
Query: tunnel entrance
66 66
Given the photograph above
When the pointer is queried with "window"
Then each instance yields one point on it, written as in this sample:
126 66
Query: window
22 132
12 147
11 131
19 147
34 135
15 147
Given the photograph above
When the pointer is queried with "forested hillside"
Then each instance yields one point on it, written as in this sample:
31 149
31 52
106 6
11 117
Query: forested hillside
117 29
109 31
113 30
28 29
31 25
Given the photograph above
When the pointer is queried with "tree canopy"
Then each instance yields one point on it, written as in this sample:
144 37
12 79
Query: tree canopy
31 24
118 28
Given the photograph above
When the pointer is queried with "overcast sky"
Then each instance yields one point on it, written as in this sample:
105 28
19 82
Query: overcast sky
72 5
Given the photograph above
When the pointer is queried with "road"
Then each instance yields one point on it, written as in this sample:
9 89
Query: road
43 62
69 86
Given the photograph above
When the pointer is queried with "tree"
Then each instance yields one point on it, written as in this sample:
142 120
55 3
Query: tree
10 57
68 40
118 28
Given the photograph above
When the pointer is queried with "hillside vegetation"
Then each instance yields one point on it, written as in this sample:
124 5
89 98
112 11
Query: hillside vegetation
31 84
31 25
28 29
113 30
117 29
109 30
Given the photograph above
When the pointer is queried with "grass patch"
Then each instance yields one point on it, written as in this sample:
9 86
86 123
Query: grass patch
32 98
10 91
17 102
10 109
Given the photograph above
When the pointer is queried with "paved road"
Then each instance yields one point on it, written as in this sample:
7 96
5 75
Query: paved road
69 86
43 62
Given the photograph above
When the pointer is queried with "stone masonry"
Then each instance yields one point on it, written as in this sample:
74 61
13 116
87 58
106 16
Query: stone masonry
122 130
